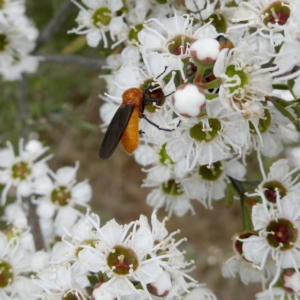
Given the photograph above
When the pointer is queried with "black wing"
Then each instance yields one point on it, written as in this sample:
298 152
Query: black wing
115 130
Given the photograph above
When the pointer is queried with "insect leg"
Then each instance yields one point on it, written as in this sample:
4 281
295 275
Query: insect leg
157 126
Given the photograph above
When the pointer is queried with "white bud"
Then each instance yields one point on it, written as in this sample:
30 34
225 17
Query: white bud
205 50
292 281
103 292
189 100
33 146
162 285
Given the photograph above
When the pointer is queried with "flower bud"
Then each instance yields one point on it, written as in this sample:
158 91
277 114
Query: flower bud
238 242
205 50
189 100
33 146
161 286
102 292
291 281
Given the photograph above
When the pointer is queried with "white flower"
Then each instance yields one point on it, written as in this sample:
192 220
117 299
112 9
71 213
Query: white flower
11 9
279 178
17 41
81 233
15 214
172 38
20 171
122 258
200 293
58 281
13 70
258 48
268 133
25 289
288 56
237 264
247 272
267 15
134 252
62 193
244 82
14 260
278 235
205 140
209 183
98 18
170 194
145 155
160 167
114 63
64 220
276 293
39 260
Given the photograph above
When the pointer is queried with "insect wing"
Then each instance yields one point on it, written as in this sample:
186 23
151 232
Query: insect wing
115 130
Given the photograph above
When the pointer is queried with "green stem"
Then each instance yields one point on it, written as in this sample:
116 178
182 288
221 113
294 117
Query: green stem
245 213
211 96
201 68
210 85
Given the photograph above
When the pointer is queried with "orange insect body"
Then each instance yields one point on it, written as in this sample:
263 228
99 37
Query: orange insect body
130 136
124 125
224 42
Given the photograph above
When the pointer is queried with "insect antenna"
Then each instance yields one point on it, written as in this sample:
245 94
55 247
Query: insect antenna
199 11
147 99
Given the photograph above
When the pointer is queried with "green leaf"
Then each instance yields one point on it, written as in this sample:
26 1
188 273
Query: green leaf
93 280
102 277
247 220
282 110
290 85
280 87
75 46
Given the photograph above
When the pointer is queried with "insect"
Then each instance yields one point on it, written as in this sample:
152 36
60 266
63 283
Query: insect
224 42
124 125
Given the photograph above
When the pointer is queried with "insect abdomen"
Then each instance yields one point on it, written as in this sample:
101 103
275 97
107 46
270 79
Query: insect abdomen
130 137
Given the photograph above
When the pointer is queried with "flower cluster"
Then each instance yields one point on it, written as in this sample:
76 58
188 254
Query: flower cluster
58 196
208 74
193 87
82 260
17 40
15 257
269 253
134 261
